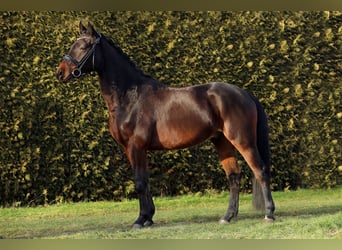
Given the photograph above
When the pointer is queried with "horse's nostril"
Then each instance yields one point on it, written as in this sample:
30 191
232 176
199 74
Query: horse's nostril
59 74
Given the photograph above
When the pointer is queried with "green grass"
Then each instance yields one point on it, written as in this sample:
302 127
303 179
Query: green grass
303 214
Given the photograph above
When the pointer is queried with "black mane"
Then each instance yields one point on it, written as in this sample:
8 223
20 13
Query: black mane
125 56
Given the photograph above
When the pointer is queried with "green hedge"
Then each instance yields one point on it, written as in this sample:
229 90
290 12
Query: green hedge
54 140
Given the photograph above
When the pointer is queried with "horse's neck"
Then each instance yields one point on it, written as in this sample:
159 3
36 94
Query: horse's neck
120 79
116 77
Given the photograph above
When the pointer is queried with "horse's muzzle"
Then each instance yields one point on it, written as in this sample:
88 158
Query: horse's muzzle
60 74
63 73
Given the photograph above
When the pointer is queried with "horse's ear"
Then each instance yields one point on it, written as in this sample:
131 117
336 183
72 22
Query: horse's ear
82 28
90 30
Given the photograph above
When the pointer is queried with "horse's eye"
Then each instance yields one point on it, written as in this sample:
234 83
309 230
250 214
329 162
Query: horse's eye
85 46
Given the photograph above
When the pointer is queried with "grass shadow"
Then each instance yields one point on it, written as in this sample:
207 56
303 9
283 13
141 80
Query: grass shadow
255 215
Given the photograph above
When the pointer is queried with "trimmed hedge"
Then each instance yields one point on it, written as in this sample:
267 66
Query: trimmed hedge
54 138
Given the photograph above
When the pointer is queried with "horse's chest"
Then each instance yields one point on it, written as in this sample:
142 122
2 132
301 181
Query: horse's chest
121 127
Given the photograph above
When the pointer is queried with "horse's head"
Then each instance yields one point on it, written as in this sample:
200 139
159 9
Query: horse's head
81 57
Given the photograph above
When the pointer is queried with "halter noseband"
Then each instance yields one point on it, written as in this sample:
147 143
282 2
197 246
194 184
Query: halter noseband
77 72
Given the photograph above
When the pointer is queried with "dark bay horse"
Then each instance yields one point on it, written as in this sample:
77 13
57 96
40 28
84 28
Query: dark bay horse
147 115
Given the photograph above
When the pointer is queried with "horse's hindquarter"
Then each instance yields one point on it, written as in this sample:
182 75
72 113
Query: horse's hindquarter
183 118
236 109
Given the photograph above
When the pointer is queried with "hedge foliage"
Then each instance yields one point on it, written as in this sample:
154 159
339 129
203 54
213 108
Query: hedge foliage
54 138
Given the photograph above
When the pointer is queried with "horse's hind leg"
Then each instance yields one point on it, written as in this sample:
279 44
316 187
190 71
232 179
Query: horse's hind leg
262 175
251 154
227 156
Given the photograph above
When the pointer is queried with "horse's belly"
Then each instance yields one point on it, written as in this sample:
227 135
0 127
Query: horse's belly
176 135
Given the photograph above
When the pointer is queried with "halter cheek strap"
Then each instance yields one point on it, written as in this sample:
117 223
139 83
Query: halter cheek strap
77 72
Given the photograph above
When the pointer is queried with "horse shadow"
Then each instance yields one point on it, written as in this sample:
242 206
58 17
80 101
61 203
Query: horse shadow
176 222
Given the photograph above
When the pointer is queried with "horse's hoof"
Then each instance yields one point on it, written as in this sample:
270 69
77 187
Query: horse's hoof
137 226
269 219
223 222
148 223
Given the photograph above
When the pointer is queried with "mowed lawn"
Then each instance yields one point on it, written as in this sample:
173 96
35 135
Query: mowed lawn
302 214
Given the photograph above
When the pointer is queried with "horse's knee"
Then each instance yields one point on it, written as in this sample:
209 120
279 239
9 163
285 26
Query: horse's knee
140 186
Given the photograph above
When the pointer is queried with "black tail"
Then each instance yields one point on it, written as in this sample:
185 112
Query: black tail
264 151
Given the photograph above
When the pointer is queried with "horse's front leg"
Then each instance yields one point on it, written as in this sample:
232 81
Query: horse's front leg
138 160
